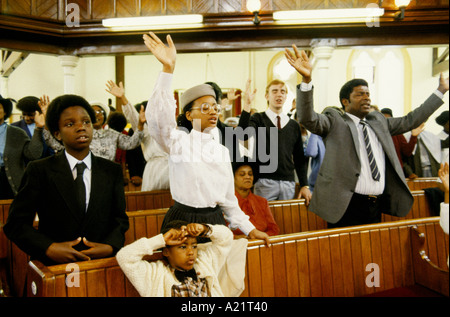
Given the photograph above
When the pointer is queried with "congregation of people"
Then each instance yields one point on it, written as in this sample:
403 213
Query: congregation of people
68 161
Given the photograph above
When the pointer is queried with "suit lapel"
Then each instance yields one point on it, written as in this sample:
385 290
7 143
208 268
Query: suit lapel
384 138
97 177
354 133
63 178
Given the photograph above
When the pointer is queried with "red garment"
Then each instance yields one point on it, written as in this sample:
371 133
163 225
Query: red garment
257 208
403 148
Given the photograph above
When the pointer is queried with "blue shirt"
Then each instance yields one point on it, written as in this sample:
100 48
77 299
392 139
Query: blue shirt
3 127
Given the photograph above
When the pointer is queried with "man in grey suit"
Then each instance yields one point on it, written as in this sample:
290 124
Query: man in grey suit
360 176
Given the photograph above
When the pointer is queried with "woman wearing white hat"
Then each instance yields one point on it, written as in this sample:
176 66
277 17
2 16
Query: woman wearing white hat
200 172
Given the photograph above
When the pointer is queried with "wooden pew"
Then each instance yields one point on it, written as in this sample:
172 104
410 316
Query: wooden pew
334 262
292 216
422 183
144 223
4 211
4 267
314 264
148 200
431 270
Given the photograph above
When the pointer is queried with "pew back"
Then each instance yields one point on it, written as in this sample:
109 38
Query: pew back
338 262
314 264
148 200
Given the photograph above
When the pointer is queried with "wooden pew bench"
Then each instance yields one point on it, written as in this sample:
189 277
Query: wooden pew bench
335 262
291 216
148 200
316 264
421 183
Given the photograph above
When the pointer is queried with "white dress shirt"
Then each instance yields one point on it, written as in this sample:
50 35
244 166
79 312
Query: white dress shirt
200 171
366 185
86 174
284 118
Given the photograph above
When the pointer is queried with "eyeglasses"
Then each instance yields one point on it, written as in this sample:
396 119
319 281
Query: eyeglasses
205 108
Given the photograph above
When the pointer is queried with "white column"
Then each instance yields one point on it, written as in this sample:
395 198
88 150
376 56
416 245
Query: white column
4 87
68 63
322 50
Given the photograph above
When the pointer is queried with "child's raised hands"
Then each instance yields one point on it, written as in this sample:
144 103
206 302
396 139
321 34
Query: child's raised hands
196 229
175 236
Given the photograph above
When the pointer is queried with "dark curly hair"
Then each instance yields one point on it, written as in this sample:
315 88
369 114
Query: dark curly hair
182 121
61 103
117 121
347 89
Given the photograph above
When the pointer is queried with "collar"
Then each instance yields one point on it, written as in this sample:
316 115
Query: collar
273 116
354 118
182 275
73 161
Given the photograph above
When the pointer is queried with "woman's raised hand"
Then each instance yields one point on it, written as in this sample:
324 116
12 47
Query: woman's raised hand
166 54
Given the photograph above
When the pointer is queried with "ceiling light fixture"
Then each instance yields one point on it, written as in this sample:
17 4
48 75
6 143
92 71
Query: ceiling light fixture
254 6
401 4
155 22
327 15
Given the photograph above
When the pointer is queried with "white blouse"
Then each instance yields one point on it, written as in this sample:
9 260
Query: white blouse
200 170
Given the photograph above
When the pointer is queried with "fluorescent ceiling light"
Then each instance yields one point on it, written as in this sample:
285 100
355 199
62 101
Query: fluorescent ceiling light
327 15
161 21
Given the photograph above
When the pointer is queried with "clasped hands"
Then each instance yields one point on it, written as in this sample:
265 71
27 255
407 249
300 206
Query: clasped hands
64 252
179 236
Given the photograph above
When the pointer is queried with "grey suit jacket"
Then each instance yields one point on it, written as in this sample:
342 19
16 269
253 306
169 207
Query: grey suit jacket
341 166
18 150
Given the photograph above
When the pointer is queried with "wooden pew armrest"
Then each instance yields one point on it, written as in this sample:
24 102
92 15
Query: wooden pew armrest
427 273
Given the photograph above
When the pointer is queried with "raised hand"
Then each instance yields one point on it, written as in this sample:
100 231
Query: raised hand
114 89
142 118
443 84
39 119
418 130
195 229
165 54
300 61
249 96
443 175
43 103
175 236
117 90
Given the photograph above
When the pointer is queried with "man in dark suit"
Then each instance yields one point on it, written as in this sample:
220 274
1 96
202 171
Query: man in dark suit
357 180
81 215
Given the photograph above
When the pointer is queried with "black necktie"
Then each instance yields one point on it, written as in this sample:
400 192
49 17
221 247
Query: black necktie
278 122
182 275
81 189
372 162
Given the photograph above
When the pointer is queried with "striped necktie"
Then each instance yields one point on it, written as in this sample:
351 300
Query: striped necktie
372 162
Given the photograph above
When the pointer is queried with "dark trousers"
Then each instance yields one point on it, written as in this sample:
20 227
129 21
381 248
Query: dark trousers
361 210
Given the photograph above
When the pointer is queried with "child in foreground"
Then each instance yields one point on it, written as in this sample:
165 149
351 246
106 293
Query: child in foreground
188 269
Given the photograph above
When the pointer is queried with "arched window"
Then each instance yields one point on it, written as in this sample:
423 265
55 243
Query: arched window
280 69
387 72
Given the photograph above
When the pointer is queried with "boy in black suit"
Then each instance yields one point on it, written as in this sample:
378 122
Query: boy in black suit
75 223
